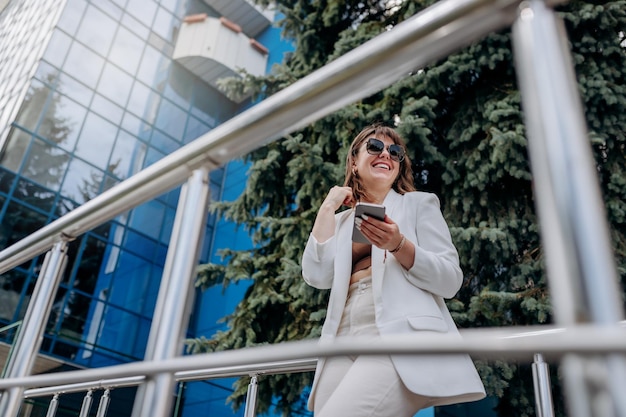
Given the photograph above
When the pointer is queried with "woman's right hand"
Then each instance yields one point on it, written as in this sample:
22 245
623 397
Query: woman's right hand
324 226
337 197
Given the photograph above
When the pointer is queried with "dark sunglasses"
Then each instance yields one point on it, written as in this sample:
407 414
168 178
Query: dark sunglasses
375 147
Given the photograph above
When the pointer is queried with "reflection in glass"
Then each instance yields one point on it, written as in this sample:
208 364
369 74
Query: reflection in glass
127 155
45 164
153 66
115 84
143 11
11 284
17 143
6 181
147 218
83 64
33 104
163 142
96 140
165 24
74 89
34 195
18 222
96 30
171 119
62 121
126 50
82 182
108 109
57 48
72 16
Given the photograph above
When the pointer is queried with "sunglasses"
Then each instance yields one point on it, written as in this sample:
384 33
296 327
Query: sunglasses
375 147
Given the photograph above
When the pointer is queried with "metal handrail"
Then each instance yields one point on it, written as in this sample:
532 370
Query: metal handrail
506 342
269 368
438 31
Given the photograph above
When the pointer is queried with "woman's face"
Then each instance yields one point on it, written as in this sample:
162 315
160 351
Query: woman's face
376 171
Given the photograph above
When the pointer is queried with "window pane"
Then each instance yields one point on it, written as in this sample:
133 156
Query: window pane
82 182
57 48
171 119
72 16
96 30
108 109
62 121
17 143
11 284
45 164
18 222
126 50
83 64
34 195
127 155
115 84
74 89
164 24
96 140
33 105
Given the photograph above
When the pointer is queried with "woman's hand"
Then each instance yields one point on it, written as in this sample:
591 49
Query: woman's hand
337 197
324 226
384 234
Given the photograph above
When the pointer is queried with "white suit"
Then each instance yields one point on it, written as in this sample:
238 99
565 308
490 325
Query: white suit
406 301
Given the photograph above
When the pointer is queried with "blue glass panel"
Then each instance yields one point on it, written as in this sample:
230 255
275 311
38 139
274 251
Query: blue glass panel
96 30
152 156
6 181
34 195
126 50
163 142
45 164
18 222
62 121
83 64
82 182
166 233
171 119
115 84
57 49
72 16
131 280
195 129
139 244
148 218
127 156
96 140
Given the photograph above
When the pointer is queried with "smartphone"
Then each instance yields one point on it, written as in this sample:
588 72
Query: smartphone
374 210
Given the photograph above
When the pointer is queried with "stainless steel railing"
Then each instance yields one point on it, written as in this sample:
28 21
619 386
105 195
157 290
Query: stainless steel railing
581 272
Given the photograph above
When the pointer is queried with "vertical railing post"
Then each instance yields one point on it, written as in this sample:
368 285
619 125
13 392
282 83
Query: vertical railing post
543 388
103 405
30 335
582 274
172 310
253 389
86 406
53 406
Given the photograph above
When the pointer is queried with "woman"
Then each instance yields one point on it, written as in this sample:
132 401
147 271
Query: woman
396 285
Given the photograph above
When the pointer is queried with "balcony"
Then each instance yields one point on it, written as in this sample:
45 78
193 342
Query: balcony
252 19
215 48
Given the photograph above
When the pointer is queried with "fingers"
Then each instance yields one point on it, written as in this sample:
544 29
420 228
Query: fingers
383 234
338 196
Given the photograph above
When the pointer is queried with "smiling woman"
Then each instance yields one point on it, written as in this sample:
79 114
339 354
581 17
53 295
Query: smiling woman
373 294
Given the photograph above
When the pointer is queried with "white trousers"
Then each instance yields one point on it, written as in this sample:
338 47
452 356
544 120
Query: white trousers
362 386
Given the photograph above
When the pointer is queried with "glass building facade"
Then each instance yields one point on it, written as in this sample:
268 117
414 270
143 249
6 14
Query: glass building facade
90 95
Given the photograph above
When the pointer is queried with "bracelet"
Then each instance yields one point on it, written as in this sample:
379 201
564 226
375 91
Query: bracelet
397 249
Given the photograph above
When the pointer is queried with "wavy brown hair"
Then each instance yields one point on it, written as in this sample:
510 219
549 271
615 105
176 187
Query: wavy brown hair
402 184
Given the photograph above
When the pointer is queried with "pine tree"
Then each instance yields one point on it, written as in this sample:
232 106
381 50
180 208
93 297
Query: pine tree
463 124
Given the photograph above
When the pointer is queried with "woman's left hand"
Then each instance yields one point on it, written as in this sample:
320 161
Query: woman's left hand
383 234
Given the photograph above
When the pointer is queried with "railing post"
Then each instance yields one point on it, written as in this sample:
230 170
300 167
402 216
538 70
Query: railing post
30 335
103 406
86 406
171 314
543 389
52 407
253 388
581 269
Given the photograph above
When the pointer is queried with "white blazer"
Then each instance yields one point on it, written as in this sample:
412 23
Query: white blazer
406 301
